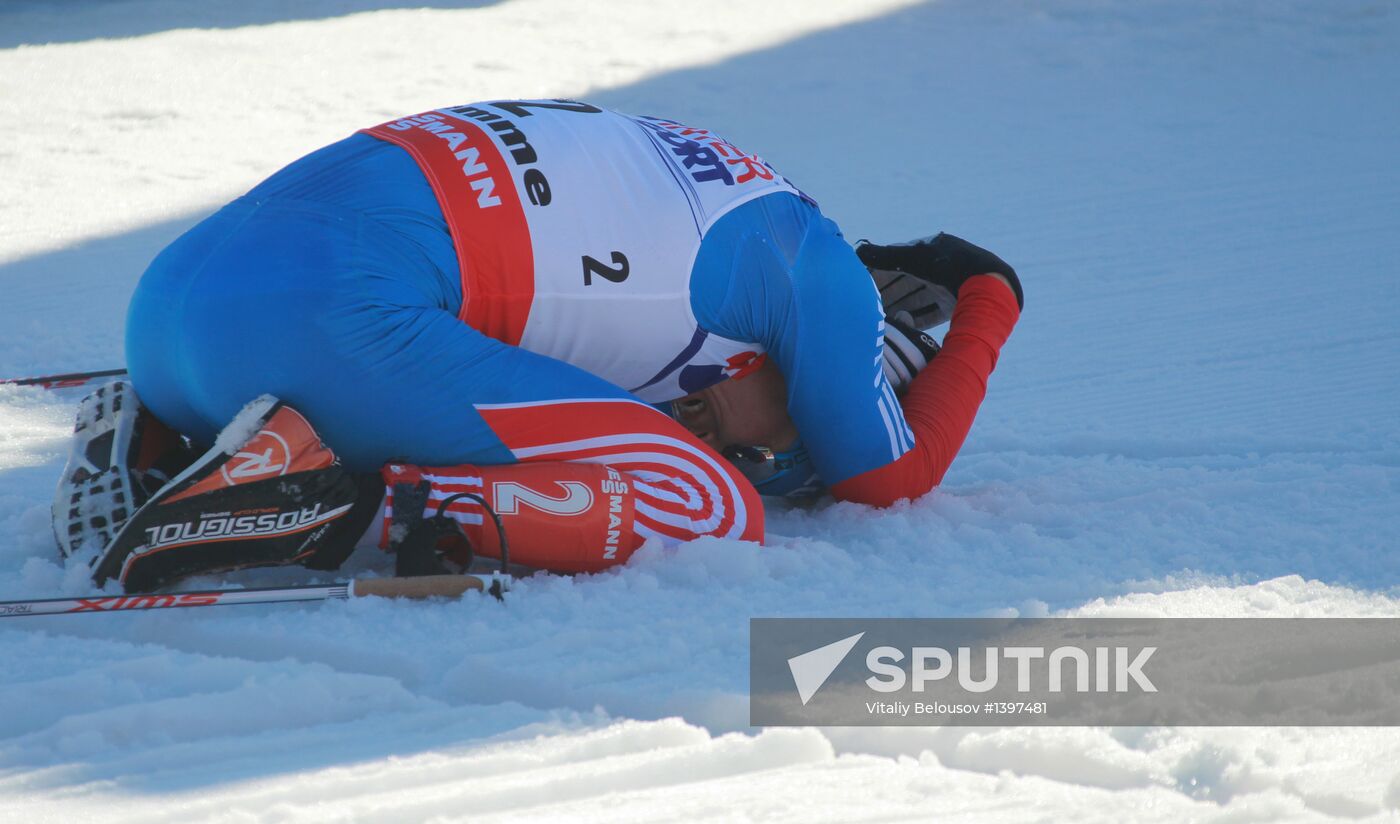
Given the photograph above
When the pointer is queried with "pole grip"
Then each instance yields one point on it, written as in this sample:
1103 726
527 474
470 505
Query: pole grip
426 586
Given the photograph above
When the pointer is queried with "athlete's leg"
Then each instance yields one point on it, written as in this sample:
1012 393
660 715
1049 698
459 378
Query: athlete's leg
598 471
157 343
317 308
597 477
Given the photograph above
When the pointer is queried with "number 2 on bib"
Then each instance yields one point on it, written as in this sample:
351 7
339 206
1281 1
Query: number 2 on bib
510 496
616 273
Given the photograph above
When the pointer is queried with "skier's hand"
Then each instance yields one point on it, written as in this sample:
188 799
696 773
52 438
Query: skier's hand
922 278
907 351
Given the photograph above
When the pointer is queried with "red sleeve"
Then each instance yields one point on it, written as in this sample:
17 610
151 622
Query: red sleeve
943 399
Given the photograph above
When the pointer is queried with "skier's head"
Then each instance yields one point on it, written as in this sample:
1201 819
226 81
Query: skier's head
746 420
749 410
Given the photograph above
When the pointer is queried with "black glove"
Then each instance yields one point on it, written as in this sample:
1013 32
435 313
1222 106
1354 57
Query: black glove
907 352
921 278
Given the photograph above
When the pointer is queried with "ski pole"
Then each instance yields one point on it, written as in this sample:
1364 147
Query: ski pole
428 586
65 381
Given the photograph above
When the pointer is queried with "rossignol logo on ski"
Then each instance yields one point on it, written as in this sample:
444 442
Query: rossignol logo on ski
267 454
223 527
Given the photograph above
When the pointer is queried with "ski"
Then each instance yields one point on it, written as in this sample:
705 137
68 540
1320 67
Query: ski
428 586
64 381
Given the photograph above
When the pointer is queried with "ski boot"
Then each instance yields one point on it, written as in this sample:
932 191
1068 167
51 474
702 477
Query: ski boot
121 455
268 493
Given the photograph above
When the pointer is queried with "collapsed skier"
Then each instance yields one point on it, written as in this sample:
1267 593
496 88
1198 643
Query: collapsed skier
487 299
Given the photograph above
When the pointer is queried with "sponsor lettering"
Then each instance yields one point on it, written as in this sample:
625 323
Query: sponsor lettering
614 487
516 142
707 156
194 599
223 525
476 172
536 185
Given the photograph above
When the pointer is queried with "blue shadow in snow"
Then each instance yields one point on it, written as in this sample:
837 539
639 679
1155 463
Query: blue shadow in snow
35 22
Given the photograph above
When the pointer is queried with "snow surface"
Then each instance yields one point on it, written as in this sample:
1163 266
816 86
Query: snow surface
1198 415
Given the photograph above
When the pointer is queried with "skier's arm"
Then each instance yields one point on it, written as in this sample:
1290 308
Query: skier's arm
778 273
815 309
943 400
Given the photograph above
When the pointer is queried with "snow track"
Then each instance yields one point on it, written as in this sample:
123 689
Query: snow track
1197 415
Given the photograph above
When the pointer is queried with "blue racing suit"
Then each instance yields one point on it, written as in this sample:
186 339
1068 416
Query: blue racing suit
343 285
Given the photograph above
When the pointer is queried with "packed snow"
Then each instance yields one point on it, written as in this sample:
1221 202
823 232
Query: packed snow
1197 416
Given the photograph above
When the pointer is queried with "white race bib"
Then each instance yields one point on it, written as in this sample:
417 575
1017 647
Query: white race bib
576 229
